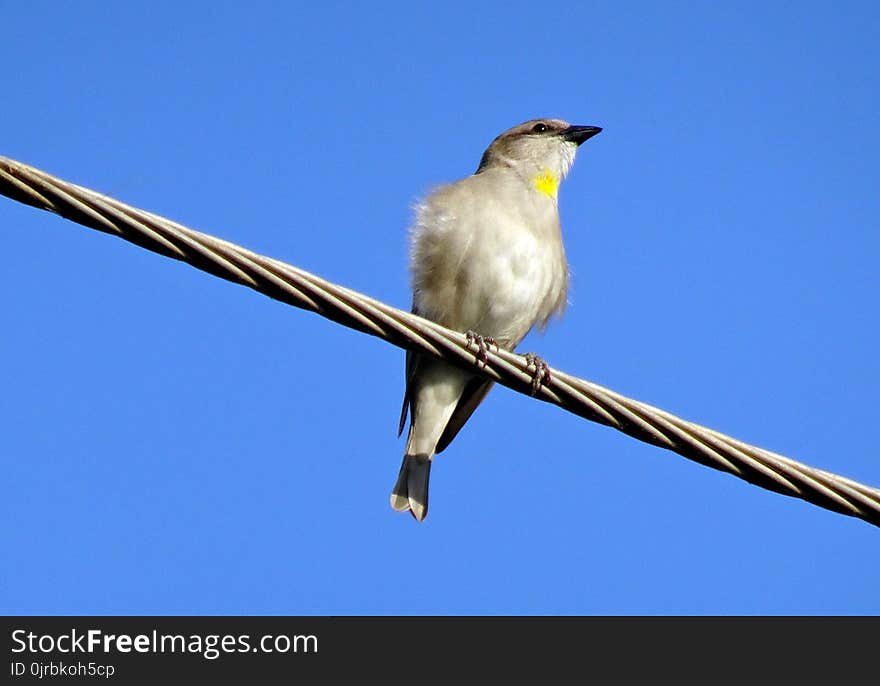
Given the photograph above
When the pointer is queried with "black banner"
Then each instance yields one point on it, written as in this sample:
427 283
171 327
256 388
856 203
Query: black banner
134 649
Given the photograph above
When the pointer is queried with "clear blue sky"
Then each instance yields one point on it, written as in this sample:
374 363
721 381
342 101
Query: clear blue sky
173 443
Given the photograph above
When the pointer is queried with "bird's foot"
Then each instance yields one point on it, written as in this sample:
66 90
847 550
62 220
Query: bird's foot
541 375
482 343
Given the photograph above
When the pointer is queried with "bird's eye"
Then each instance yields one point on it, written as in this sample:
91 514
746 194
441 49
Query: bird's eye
540 127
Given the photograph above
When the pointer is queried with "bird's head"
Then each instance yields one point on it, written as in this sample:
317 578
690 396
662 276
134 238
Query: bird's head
541 150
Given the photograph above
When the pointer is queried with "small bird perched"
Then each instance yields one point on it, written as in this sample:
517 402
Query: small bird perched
487 258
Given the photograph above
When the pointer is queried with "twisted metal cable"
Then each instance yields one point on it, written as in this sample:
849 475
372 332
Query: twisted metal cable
296 287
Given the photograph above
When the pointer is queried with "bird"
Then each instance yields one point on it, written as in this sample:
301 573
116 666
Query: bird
486 259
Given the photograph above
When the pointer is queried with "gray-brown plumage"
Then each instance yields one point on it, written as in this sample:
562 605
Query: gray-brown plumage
487 256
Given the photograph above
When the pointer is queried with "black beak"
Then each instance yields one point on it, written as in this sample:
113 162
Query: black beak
579 134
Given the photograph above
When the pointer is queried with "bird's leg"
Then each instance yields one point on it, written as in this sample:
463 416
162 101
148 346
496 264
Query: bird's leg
482 343
541 376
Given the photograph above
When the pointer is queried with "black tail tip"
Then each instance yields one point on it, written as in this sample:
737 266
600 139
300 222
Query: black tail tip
410 493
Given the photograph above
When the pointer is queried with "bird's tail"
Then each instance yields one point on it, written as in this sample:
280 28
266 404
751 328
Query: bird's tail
411 490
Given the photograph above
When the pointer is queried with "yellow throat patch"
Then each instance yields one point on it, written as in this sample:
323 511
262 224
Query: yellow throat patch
547 183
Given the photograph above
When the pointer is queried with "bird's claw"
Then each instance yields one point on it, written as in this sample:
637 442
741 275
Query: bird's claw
482 343
541 375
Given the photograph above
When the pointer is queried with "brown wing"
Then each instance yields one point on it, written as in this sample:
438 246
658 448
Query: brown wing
412 363
470 399
472 396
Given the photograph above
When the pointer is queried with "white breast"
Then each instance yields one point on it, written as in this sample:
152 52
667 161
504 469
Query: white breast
488 261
